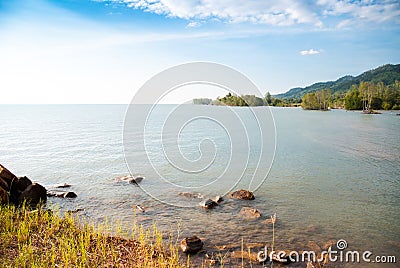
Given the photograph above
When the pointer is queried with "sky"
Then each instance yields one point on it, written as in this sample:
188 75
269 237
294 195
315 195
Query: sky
102 51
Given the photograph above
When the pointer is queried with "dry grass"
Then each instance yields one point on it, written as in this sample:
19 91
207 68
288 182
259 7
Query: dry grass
42 238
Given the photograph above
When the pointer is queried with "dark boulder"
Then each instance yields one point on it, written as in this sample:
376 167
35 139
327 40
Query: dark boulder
18 185
242 194
3 184
208 204
6 175
20 189
191 244
70 195
33 195
3 196
136 180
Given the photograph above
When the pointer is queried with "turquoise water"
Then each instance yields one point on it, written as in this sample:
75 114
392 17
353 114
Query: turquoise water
336 175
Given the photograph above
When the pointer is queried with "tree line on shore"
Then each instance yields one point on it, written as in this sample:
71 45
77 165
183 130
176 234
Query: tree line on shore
243 100
233 100
362 96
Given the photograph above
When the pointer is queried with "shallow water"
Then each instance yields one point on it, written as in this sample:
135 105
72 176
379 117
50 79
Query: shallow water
335 175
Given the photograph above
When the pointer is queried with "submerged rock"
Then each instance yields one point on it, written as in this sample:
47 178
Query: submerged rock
61 194
250 213
242 194
191 244
63 185
131 179
208 204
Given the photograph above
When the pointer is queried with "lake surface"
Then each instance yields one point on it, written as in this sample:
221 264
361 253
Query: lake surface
335 175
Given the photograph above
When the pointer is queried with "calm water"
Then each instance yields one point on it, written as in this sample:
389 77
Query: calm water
336 175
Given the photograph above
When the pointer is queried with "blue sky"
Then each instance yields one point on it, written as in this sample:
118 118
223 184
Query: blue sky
102 51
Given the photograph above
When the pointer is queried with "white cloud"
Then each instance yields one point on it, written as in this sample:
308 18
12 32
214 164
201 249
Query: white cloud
283 12
193 24
310 52
345 24
372 11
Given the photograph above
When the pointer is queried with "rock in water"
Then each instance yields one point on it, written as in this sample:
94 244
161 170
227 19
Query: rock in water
70 195
61 194
218 199
208 204
64 185
250 213
131 179
242 194
191 244
136 180
33 194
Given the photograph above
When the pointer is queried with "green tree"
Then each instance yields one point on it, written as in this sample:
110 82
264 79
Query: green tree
353 101
268 98
318 100
310 101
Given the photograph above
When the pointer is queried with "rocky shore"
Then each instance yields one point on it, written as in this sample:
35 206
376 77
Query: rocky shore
19 190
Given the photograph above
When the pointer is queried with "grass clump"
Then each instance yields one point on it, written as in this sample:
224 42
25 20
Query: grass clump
42 238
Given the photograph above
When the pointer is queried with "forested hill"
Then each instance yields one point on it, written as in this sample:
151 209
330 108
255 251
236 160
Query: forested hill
387 74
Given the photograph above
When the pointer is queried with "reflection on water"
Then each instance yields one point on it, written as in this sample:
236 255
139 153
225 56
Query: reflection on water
336 175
